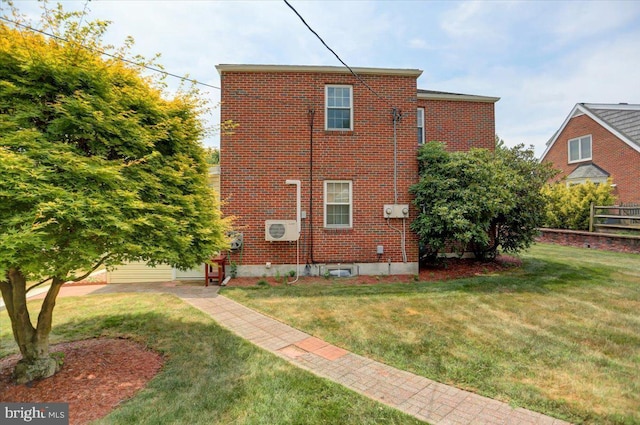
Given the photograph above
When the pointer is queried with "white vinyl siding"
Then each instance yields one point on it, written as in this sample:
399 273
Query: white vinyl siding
338 210
140 272
338 108
580 149
196 273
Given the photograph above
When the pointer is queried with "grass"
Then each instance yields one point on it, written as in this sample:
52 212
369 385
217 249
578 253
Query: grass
210 376
560 336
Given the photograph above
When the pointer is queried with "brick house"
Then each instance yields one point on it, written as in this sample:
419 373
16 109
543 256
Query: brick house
596 142
317 173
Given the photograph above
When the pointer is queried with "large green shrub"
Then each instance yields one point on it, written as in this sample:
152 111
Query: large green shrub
478 199
568 206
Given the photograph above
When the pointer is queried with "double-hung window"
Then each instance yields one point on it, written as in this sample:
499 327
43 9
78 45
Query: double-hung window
339 107
420 124
580 149
338 205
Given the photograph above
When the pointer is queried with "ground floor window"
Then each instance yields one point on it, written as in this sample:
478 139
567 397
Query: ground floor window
338 211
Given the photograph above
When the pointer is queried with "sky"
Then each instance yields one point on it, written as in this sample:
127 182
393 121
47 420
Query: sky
539 57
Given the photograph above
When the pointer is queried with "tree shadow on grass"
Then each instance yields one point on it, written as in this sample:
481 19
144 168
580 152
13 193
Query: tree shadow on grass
210 375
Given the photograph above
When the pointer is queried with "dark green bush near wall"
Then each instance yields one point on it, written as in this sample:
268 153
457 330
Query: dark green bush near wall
482 199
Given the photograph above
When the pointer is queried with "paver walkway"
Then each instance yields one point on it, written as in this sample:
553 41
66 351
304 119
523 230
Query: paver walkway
421 397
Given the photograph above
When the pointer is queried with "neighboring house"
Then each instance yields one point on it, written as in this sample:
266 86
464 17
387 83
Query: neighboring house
597 142
318 171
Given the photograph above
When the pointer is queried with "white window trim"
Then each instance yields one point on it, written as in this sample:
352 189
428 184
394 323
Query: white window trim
326 107
421 110
580 158
335 226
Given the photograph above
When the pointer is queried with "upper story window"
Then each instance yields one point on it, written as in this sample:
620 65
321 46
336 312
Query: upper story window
338 211
580 149
420 121
339 108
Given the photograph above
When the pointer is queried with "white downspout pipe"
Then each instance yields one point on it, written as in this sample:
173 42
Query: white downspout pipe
298 220
297 183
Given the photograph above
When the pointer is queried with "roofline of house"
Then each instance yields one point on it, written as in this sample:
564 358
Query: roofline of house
437 95
614 106
317 69
584 109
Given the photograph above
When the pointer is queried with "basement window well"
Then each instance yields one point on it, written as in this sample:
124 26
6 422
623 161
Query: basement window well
339 270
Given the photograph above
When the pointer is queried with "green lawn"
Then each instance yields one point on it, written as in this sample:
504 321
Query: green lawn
210 375
560 336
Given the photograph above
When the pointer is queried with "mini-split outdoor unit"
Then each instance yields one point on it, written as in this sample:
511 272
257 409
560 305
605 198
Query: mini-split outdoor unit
235 240
281 230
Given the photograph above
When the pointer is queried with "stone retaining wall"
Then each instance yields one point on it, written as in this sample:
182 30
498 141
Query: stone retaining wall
604 241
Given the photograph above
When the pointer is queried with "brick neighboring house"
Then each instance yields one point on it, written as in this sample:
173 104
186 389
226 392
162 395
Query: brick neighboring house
321 131
596 142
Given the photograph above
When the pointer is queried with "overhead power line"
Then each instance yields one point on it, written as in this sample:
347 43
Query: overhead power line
336 55
120 58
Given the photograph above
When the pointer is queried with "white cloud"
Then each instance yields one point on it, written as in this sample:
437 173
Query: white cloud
574 22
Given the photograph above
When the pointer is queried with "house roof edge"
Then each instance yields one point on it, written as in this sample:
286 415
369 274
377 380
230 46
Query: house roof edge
317 68
437 95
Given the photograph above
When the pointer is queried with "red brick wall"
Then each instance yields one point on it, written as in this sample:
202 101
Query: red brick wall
462 125
272 144
607 151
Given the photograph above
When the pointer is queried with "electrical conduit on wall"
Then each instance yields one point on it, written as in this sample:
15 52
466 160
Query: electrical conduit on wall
397 116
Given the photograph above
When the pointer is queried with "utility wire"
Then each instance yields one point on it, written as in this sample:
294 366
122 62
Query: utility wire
120 58
336 55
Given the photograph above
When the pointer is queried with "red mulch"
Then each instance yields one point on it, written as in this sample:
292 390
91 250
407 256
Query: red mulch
97 375
452 268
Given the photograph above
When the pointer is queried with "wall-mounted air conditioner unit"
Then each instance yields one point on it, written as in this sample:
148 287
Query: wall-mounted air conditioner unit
235 240
281 230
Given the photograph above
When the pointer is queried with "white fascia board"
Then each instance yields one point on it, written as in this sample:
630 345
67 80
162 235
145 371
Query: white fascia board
317 69
457 97
576 108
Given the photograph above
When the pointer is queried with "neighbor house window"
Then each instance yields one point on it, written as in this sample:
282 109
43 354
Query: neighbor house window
339 108
337 204
580 149
420 121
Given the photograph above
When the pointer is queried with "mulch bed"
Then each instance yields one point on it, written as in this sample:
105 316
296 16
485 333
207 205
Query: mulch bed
452 268
97 375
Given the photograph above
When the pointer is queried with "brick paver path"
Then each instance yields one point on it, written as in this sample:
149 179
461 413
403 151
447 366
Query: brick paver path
421 397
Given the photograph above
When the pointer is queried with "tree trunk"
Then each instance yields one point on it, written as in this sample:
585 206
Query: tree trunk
36 362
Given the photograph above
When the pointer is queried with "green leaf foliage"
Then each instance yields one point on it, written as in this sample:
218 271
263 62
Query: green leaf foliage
568 206
478 199
212 156
95 160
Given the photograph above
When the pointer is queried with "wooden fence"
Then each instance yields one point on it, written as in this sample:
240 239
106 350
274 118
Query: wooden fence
615 217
